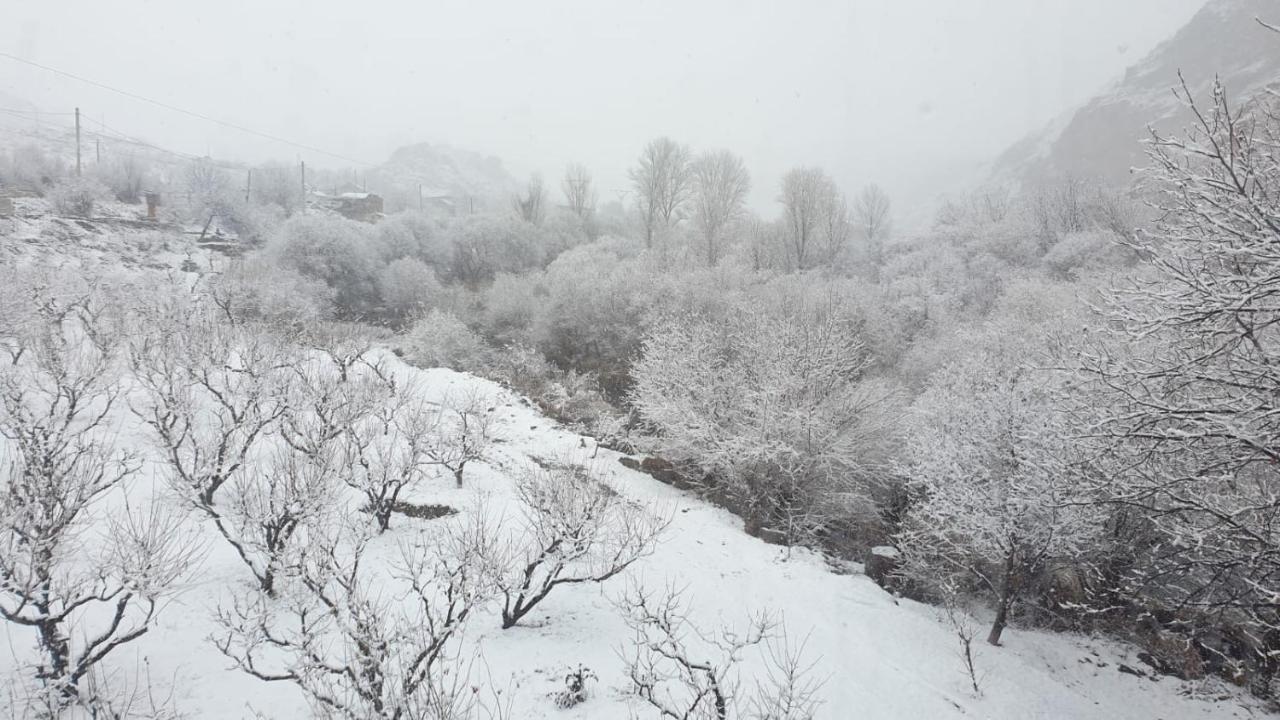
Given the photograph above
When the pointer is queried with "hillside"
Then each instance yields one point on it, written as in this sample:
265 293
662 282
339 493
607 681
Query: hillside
879 656
1102 140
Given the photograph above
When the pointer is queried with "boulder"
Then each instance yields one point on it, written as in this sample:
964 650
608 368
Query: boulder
881 564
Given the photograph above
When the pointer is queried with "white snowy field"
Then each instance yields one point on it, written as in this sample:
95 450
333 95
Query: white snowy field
879 657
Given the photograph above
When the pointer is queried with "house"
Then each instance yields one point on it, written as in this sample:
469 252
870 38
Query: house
362 206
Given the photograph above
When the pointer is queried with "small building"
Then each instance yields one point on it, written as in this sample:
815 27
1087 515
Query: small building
361 206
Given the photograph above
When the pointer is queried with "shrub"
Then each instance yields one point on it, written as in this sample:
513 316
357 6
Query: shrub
440 339
335 250
77 196
408 287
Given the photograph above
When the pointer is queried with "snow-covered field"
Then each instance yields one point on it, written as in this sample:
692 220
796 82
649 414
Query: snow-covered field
880 657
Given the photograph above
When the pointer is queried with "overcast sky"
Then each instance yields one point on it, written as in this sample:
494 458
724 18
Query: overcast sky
908 93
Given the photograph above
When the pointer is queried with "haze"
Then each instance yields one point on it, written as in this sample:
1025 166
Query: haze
914 95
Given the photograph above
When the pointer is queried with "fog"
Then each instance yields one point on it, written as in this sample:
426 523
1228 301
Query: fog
915 95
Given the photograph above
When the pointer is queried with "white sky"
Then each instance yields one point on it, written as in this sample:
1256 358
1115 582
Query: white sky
909 93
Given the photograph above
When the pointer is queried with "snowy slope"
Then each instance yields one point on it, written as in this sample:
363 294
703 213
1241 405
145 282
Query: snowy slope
881 658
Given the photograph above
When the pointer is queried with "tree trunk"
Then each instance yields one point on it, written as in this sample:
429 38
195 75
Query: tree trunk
1008 589
1002 617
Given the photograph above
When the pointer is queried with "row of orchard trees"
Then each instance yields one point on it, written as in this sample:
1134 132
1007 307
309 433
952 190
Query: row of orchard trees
1125 471
295 452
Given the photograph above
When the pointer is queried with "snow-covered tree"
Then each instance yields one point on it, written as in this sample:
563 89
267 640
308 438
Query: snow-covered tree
720 186
871 214
60 471
803 192
577 529
989 457
774 402
531 205
579 192
682 671
661 182
357 650
460 432
387 453
1189 367
216 398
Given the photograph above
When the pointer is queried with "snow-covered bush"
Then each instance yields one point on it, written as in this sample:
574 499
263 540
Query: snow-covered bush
30 167
774 401
439 339
485 245
593 318
408 288
339 252
386 454
253 290
414 235
1081 254
126 176
77 196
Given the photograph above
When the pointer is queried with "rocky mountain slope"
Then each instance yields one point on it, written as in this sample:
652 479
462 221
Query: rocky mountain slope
1103 139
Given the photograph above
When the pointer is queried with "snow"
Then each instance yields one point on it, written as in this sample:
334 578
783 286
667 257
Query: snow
882 657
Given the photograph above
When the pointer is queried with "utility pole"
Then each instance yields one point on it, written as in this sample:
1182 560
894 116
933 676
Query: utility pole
248 185
419 197
77 142
303 165
97 149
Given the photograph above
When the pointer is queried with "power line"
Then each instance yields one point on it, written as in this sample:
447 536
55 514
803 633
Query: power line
176 109
15 111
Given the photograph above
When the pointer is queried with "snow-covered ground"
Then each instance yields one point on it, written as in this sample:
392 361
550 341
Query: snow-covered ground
880 657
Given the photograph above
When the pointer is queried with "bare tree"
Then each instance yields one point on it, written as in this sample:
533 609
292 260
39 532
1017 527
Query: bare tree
57 396
805 194
871 214
277 184
209 397
966 631
214 396
662 183
578 529
579 192
268 511
461 432
685 672
531 206
834 227
349 647
720 186
388 453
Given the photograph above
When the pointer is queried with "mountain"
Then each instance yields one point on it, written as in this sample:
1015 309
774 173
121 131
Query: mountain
1102 140
444 173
